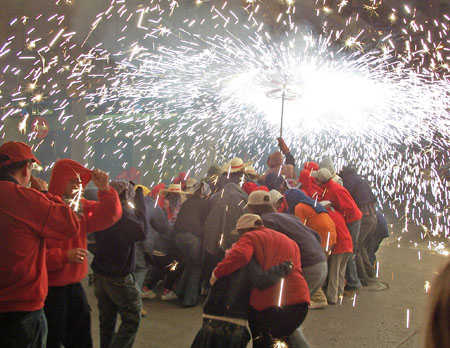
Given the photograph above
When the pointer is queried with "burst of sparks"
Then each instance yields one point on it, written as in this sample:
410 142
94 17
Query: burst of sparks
173 266
279 344
427 286
78 193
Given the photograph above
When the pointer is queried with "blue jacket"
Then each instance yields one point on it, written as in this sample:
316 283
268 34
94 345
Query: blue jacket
358 187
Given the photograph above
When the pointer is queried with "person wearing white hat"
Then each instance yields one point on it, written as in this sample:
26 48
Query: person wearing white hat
233 171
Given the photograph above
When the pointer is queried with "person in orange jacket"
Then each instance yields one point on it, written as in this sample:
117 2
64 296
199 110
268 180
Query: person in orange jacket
28 219
66 306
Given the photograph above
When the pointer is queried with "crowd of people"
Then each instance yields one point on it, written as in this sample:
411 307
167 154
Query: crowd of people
265 248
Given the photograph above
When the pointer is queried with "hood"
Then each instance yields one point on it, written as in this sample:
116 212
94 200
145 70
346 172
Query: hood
311 166
232 188
295 196
275 159
155 191
273 181
64 171
347 172
327 163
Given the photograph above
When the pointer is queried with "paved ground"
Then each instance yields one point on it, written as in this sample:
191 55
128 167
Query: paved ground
374 319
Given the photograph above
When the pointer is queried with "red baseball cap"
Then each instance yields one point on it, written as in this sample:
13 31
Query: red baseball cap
16 151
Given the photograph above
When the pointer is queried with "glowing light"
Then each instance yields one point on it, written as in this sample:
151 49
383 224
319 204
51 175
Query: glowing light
281 292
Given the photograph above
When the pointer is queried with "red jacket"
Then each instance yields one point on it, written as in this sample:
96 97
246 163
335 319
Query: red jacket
344 242
309 185
27 219
342 201
270 248
97 216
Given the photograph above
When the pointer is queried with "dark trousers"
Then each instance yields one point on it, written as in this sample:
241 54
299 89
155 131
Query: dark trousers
68 316
23 329
122 296
160 267
275 323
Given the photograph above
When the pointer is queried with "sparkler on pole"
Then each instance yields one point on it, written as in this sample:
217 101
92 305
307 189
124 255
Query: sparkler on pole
284 93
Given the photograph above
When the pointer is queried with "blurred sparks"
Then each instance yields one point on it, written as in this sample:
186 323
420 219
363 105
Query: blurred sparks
179 83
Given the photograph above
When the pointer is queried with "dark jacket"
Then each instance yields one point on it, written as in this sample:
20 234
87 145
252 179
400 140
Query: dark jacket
227 206
358 187
116 246
230 295
308 240
192 216
295 196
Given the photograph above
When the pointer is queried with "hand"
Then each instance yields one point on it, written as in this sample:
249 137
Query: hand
100 179
38 184
213 279
283 147
76 255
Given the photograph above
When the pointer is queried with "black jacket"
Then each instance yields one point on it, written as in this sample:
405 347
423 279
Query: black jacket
116 246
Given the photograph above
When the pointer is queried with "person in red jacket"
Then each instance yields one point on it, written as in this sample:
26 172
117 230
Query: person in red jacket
340 253
28 218
277 311
66 307
343 202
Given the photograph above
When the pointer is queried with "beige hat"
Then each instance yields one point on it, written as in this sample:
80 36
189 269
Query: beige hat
323 175
251 170
259 197
235 165
190 183
275 196
247 221
174 188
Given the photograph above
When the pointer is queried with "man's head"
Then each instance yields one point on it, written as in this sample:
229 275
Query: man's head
246 223
16 159
323 175
259 203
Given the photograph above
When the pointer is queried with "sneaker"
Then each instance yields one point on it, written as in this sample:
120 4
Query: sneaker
148 294
317 305
350 290
168 295
143 312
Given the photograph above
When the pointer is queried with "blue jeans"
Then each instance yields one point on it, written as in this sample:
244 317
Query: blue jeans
23 329
351 274
122 296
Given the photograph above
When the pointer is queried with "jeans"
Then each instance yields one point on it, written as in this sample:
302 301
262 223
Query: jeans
23 329
351 274
68 317
122 296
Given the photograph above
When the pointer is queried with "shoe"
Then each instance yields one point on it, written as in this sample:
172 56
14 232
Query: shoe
350 291
364 281
317 305
148 294
143 312
168 295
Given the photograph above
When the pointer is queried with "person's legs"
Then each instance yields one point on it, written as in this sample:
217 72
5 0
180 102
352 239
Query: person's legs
107 311
368 226
352 278
56 313
141 266
334 262
124 293
78 329
341 273
23 329
315 276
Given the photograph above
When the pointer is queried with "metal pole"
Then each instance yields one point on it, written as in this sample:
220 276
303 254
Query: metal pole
282 111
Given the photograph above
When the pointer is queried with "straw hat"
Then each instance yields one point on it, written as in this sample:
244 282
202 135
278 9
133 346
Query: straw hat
173 188
235 165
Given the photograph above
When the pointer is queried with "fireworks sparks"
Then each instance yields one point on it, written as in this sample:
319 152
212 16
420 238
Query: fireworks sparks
281 292
407 318
427 286
279 344
193 88
78 194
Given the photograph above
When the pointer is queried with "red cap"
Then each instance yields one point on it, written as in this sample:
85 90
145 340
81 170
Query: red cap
16 151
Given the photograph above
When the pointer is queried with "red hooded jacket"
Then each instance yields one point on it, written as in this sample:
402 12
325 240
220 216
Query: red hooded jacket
270 248
28 219
96 216
309 185
342 201
344 242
